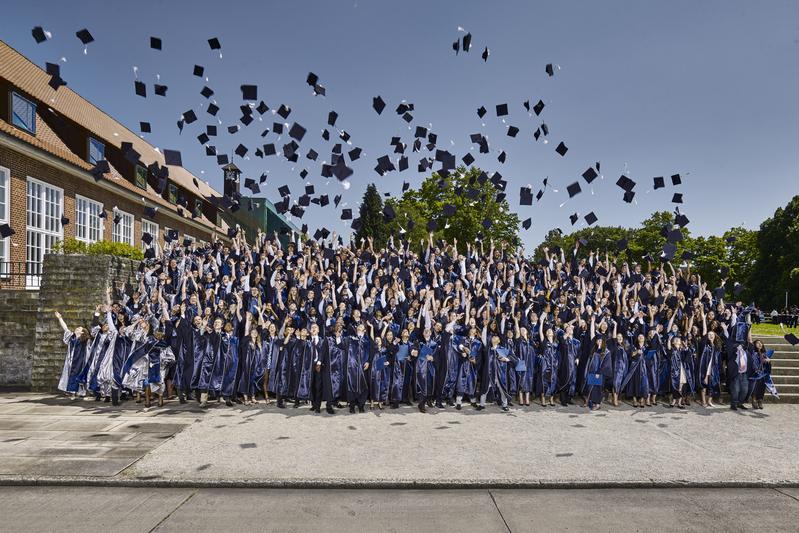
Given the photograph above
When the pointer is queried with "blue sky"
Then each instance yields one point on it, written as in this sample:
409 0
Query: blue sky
707 89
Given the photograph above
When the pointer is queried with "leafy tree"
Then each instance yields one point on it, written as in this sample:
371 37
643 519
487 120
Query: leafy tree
774 271
437 195
372 221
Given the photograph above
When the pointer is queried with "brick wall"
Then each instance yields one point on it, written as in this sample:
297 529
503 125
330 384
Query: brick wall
73 285
18 309
22 166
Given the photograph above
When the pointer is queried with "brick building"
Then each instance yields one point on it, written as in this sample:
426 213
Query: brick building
50 140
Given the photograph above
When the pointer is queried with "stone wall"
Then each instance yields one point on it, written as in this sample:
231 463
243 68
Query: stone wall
72 285
18 310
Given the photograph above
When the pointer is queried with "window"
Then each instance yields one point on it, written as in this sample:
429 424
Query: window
141 177
123 231
151 228
172 193
88 224
96 151
5 185
45 207
23 113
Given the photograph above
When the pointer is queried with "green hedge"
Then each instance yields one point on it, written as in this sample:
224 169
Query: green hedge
118 249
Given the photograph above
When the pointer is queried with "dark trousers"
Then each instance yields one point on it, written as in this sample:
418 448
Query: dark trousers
739 388
316 390
565 397
422 399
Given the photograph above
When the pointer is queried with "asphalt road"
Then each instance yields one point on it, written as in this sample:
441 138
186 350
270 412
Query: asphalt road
115 510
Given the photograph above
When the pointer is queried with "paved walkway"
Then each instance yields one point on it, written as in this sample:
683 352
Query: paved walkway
67 509
47 439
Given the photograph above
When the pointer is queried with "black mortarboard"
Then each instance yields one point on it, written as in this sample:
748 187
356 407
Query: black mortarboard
346 214
625 183
39 34
262 108
297 211
355 153
146 238
249 92
485 54
297 132
481 111
659 182
537 108
189 116
468 159
303 173
222 159
140 88
590 175
199 70
212 109
6 231
84 36
284 190
681 220
590 218
284 111
628 196
331 118
277 127
203 138
467 42
160 90
502 110
145 127
573 218
155 43
214 43
687 255
669 249
562 149
207 92
574 189
512 131
527 223
150 211
792 339
431 225
675 179
525 196
64 221
173 158
241 150
378 104
621 245
336 199
677 198
549 70
326 135
117 218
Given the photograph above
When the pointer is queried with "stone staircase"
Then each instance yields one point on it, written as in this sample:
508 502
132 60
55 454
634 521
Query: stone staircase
784 369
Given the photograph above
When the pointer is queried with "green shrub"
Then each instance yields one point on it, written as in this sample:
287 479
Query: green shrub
117 249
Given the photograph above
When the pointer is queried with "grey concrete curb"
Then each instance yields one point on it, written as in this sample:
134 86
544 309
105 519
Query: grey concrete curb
80 481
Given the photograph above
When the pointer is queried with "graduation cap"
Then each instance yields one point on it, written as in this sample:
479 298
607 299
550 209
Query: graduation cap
117 218
621 245
155 43
269 149
189 116
297 131
212 109
431 225
173 158
481 111
590 175
549 70
150 211
146 238
792 339
336 200
39 35
669 249
284 190
512 131
297 211
64 221
675 179
502 110
84 36
214 43
537 108
6 231
625 183
485 54
659 182
527 223
222 159
199 70
562 149
681 220
346 214
355 153
207 92
591 218
378 104
284 111
628 196
687 255
467 42
277 127
140 88
677 198
574 189
573 218
145 127
249 92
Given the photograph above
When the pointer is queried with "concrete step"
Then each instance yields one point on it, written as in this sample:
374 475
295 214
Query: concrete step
783 371
785 397
787 380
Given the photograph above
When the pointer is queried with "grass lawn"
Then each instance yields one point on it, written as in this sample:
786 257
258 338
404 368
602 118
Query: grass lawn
771 329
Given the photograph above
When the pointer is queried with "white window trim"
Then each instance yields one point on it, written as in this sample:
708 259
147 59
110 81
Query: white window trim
4 220
89 201
31 282
132 226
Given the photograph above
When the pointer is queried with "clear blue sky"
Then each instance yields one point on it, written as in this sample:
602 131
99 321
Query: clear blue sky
709 89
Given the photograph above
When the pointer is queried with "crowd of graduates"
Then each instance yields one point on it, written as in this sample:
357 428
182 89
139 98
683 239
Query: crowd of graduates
321 322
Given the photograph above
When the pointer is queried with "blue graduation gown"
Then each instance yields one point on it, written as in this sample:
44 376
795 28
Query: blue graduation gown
598 363
334 378
250 362
546 372
619 367
426 370
567 365
636 382
467 369
279 380
73 374
708 375
379 378
359 352
525 351
230 363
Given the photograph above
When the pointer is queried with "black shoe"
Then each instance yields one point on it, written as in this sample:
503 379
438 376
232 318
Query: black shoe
506 408
182 399
338 405
394 405
458 407
228 402
450 403
480 407
422 408
742 406
114 397
733 407
361 409
238 401
281 404
329 410
97 397
440 405
296 403
190 397
352 409
107 399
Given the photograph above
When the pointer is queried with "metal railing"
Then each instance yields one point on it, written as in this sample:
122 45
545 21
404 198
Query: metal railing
20 275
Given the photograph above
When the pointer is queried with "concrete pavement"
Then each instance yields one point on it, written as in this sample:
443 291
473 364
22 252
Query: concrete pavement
48 440
78 509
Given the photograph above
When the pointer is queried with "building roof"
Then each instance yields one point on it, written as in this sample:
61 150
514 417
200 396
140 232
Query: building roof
31 79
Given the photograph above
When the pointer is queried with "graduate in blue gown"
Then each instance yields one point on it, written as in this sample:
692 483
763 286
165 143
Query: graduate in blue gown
73 374
280 383
359 359
100 343
493 376
568 361
469 350
708 377
337 350
301 369
270 344
525 367
425 370
215 355
399 351
380 373
599 371
618 352
547 361
680 372
250 360
759 370
636 383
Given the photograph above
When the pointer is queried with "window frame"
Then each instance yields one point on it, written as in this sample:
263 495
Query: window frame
87 213
172 193
38 238
12 120
116 236
5 198
89 140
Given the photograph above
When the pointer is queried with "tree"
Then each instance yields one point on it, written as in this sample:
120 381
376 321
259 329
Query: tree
372 221
777 245
479 210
